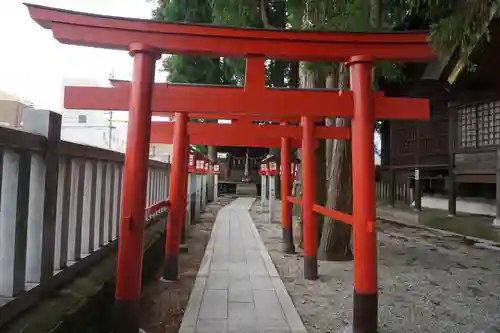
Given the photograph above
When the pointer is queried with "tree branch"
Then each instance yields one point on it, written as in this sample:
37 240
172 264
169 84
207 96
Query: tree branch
263 15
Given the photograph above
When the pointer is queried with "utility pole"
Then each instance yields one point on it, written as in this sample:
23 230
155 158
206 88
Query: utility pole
246 163
246 177
110 120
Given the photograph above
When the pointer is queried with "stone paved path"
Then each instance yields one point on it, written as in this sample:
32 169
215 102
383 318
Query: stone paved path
237 288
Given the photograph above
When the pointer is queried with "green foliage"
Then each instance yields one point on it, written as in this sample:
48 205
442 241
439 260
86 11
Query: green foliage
237 13
249 14
189 69
464 28
455 26
203 70
390 71
200 148
192 11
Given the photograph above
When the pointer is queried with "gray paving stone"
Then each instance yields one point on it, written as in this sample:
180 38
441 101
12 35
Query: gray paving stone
239 295
214 305
211 326
257 269
221 253
261 283
218 258
238 270
240 291
268 306
242 317
237 257
266 324
222 265
253 256
218 279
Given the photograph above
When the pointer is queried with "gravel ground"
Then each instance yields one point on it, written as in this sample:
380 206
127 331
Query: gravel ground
428 282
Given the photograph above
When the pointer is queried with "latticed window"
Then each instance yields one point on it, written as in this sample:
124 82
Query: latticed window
479 125
488 116
467 126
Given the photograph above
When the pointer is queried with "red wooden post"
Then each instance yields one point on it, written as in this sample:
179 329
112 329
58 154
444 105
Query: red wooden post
129 266
365 311
177 198
308 200
286 207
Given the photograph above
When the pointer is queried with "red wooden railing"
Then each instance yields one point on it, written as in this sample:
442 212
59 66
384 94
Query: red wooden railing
157 206
334 214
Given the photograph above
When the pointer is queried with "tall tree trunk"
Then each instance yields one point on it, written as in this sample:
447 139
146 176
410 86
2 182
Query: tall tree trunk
331 82
321 193
297 210
311 79
335 242
375 14
277 69
336 236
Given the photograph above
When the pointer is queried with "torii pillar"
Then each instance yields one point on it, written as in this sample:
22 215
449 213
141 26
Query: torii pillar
135 176
365 307
178 197
286 190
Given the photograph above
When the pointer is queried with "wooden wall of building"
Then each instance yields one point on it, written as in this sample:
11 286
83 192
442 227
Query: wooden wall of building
418 144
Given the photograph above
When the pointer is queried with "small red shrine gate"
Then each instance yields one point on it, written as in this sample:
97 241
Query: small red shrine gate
142 98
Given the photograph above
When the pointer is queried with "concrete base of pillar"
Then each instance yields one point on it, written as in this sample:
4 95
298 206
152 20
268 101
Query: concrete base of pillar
496 223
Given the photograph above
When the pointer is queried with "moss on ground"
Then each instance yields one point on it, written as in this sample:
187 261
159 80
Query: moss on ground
463 224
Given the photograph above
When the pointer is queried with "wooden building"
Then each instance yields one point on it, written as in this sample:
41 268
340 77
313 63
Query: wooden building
232 167
455 153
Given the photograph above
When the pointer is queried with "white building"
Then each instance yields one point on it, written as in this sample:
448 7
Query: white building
91 127
12 110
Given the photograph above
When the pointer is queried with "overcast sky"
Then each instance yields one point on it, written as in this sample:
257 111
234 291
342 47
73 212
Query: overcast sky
33 63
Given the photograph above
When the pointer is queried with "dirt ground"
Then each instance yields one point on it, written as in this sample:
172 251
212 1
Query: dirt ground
163 303
428 282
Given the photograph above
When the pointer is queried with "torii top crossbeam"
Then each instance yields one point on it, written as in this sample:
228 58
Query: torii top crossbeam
119 33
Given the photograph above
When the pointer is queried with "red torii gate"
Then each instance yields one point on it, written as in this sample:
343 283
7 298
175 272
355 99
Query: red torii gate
361 50
242 134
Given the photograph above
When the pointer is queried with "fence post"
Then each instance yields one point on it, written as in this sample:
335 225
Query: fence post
198 197
392 188
102 203
272 196
263 192
89 204
203 192
496 221
112 178
119 201
74 221
14 216
44 184
216 187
